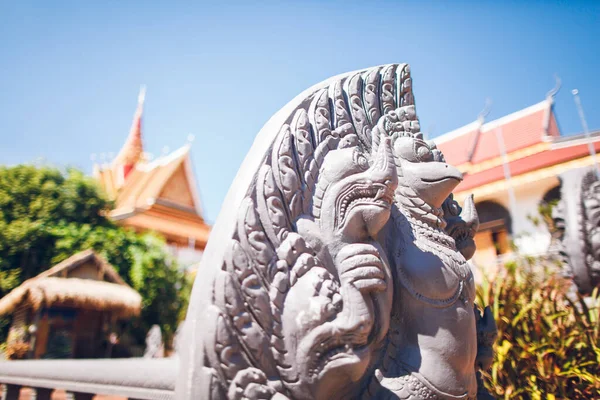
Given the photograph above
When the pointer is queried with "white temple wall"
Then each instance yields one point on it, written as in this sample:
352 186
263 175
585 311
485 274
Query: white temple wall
529 237
186 256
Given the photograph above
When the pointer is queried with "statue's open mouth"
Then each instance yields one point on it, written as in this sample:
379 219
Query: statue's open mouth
375 194
335 351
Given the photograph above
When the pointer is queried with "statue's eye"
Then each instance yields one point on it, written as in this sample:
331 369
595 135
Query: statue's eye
423 152
454 208
361 160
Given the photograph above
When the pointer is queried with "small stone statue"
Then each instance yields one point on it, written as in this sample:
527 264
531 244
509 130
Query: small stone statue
577 220
338 268
177 339
154 343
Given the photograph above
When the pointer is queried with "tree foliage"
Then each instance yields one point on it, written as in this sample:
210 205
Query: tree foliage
47 215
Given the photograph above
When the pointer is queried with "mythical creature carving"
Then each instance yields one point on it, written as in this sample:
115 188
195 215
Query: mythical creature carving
343 273
576 220
462 224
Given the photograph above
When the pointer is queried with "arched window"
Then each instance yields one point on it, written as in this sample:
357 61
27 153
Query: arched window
493 215
495 228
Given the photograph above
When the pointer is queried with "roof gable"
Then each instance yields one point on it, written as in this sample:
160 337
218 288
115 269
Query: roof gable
84 265
178 190
169 178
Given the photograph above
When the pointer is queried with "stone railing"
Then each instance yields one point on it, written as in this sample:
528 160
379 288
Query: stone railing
133 378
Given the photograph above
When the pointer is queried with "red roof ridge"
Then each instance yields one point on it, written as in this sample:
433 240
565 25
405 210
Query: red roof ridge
488 126
515 115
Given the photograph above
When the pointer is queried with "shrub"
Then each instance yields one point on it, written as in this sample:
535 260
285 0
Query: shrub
548 340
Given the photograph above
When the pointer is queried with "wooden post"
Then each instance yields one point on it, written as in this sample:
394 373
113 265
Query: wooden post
11 392
33 335
43 393
110 332
82 396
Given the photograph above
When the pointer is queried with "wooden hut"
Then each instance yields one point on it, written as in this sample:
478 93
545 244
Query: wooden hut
70 310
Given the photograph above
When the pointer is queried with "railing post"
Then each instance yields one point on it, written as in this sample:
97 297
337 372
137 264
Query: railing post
43 393
11 392
82 396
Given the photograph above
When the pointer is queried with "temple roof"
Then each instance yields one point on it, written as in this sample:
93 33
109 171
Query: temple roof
522 129
165 191
160 195
147 182
533 145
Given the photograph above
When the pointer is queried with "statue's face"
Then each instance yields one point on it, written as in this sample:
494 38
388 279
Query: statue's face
324 352
351 204
432 180
358 192
462 225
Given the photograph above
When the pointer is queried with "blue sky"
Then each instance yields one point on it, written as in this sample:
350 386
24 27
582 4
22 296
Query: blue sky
70 71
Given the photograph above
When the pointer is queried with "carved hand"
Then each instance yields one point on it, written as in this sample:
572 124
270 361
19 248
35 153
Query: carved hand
250 383
364 279
360 265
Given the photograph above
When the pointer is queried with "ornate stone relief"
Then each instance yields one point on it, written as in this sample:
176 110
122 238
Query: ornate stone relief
577 222
337 268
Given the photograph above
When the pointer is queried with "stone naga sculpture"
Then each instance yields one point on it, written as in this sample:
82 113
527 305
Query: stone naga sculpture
337 268
576 219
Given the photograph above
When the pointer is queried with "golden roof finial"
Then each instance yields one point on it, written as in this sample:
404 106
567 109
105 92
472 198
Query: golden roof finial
142 95
131 152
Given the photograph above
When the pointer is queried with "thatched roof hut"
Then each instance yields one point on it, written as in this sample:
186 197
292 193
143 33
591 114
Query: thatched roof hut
84 281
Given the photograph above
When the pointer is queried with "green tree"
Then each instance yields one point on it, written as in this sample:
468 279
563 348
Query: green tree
47 215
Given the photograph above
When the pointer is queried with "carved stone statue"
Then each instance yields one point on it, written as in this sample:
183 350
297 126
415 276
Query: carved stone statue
154 344
337 268
577 222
